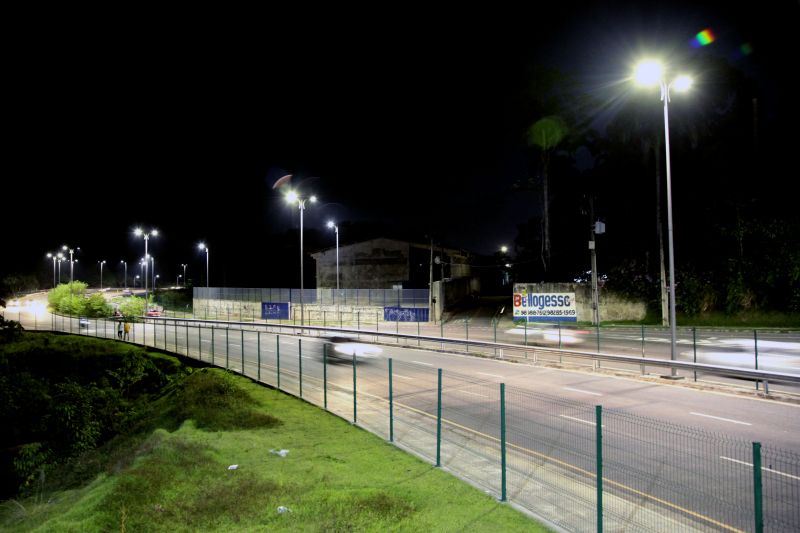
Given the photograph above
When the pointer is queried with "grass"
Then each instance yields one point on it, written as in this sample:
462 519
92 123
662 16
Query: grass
336 477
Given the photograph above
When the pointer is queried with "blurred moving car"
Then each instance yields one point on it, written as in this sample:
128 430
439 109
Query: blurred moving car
342 347
83 322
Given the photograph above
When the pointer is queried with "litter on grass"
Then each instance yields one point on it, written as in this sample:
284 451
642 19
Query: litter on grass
282 453
283 509
233 467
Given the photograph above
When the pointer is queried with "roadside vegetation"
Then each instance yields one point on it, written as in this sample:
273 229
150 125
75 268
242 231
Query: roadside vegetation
151 444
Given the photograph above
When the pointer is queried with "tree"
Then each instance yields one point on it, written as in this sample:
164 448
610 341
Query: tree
546 134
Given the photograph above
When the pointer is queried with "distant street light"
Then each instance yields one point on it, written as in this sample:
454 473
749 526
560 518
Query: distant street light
56 257
292 197
331 224
178 281
146 236
101 263
184 274
125 280
649 73
202 246
136 279
155 279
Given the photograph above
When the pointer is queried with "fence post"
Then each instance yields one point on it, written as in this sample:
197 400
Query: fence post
199 342
355 396
694 348
466 332
494 327
227 348
755 346
642 340
242 337
559 334
598 338
391 404
502 442
212 343
278 358
187 339
325 376
258 372
598 409
300 364
758 504
418 341
165 336
439 420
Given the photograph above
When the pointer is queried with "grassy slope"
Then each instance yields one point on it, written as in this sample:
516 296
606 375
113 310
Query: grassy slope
335 478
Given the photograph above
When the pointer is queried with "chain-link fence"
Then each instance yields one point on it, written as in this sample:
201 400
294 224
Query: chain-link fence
576 465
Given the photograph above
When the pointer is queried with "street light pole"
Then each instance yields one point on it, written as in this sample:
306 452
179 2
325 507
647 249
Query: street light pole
125 280
154 233
202 246
184 274
650 73
293 197
101 263
331 224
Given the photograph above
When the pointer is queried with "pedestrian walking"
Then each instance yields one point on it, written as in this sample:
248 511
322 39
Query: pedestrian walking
119 330
127 330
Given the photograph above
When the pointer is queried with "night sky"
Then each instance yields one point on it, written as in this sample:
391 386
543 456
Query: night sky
404 122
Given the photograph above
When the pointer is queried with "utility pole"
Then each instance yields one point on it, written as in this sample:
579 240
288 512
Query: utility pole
430 287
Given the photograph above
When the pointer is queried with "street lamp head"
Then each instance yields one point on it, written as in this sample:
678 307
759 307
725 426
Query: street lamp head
291 197
331 224
504 249
313 199
682 83
202 246
648 72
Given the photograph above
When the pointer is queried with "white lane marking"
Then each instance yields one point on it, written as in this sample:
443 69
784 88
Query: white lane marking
421 363
487 374
723 419
583 391
466 392
404 377
762 468
579 420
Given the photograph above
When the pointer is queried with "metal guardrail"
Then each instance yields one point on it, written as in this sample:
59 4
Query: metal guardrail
763 376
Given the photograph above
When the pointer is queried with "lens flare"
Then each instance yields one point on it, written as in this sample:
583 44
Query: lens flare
703 38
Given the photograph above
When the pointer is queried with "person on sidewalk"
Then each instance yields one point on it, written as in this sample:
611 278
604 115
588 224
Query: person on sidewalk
127 330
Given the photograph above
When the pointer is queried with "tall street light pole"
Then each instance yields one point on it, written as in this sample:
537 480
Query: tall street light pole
184 274
125 280
650 73
154 233
101 263
292 197
202 246
57 256
332 224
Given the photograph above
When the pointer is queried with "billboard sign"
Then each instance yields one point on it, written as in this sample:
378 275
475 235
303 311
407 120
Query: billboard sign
275 311
405 314
544 306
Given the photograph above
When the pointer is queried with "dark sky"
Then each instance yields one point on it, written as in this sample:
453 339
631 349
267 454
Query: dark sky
409 118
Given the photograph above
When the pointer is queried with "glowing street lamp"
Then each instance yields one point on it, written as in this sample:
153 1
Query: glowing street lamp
184 274
125 281
649 73
202 246
138 232
56 257
101 263
293 198
333 225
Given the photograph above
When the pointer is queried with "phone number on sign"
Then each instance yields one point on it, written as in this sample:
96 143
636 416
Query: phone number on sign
550 312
